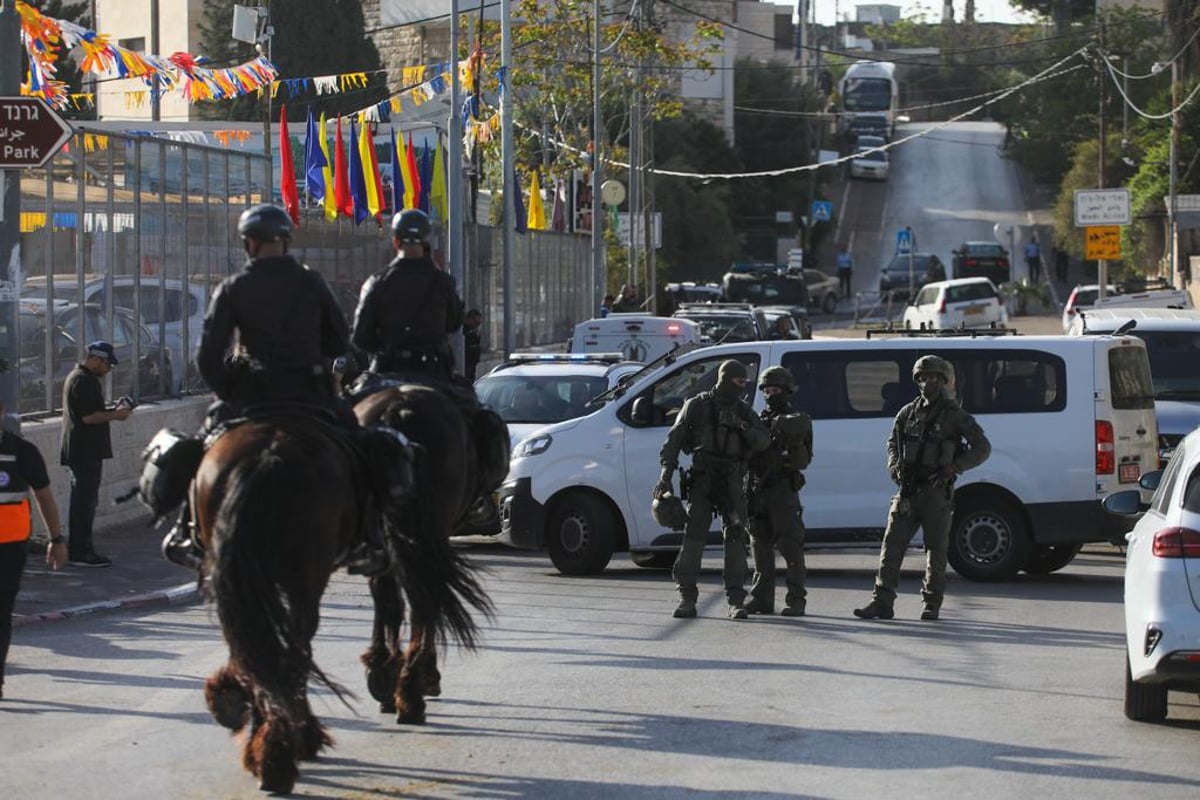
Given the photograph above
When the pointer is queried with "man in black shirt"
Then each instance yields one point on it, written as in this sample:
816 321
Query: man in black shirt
472 342
86 443
22 470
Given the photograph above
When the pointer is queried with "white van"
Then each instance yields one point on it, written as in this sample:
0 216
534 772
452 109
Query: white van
638 337
1070 419
1172 338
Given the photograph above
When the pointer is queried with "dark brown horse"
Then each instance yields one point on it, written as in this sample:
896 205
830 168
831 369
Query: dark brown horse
278 502
447 479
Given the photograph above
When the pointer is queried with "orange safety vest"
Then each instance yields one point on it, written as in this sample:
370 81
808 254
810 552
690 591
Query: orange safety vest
16 522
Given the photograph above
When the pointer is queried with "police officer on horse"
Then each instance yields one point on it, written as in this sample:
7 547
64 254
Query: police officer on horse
270 335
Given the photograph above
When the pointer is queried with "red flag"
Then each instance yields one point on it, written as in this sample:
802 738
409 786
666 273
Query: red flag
414 172
287 172
374 176
341 176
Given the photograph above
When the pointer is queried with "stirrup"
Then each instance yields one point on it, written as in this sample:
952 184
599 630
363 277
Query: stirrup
367 560
178 548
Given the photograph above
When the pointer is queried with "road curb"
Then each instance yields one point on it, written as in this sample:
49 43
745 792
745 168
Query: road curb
176 595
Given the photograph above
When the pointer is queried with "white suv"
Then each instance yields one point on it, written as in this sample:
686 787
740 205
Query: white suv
958 303
1162 585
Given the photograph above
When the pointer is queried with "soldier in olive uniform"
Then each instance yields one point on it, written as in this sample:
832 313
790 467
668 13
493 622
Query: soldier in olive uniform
773 485
721 432
933 441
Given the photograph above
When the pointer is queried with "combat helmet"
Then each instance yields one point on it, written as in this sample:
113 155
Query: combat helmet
936 365
411 225
668 511
265 222
777 376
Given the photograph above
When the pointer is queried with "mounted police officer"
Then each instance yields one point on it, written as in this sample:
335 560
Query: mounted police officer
270 335
933 441
403 323
721 432
774 480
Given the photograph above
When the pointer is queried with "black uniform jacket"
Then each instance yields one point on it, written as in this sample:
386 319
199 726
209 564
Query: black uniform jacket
410 305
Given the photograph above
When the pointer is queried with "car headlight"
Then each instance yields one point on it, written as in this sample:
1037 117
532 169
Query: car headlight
533 446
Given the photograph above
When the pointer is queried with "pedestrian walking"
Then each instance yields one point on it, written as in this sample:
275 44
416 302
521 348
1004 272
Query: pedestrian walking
627 303
721 432
845 270
1033 259
933 441
22 470
775 478
86 445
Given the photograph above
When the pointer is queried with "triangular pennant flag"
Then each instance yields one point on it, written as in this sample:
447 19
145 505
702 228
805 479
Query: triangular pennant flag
438 201
358 182
366 157
397 177
287 172
426 175
341 178
314 161
537 211
330 201
412 177
519 221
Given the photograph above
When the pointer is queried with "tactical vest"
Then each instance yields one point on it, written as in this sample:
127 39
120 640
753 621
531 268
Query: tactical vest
716 434
15 520
789 450
926 443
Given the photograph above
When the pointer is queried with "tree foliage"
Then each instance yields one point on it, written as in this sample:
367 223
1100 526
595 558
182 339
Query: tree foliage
312 37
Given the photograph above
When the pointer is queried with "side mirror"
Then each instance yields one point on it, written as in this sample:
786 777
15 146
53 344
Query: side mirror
1149 481
1124 504
642 412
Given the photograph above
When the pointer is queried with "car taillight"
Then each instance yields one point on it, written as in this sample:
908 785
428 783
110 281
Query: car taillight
1106 456
1070 312
1176 543
970 262
942 305
673 328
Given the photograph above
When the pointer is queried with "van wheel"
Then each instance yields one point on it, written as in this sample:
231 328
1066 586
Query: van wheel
653 560
1144 702
829 304
580 534
989 540
1047 558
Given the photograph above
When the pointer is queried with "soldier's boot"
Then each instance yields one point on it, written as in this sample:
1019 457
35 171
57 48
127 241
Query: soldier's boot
737 612
758 605
875 610
932 607
930 613
686 608
794 608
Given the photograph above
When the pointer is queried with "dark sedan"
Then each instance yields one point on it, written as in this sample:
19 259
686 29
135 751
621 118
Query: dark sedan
924 267
982 260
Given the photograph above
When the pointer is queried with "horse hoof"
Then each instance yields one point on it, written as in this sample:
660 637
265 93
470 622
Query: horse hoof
387 708
278 785
433 689
381 683
411 718
229 704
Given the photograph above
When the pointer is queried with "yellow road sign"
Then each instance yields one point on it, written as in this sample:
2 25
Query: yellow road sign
1102 242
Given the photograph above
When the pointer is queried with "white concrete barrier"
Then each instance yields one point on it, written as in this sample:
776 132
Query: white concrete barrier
122 470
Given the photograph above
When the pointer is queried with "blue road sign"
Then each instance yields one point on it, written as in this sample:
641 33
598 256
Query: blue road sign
904 241
822 210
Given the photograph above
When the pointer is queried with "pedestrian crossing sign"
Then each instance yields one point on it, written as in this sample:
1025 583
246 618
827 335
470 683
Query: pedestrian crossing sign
822 210
904 242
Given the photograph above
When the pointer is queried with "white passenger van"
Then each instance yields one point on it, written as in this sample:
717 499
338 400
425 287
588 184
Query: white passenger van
637 337
1172 338
1070 419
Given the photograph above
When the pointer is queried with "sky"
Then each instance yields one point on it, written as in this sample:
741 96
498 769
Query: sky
985 10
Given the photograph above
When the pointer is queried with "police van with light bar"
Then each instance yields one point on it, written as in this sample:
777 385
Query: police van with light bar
1070 419
638 337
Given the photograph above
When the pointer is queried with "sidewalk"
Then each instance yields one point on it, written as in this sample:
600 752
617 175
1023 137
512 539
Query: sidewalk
139 577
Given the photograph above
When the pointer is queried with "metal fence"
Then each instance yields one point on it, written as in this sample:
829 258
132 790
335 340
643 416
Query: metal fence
139 229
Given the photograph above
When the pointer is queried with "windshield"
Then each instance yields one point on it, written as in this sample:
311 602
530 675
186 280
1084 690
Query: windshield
726 329
539 398
867 94
1173 359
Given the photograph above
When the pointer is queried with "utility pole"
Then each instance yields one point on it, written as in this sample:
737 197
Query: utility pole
10 216
156 89
511 187
455 241
597 278
1173 150
1102 264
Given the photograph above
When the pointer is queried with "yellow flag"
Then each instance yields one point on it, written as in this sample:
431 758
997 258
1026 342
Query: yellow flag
437 191
330 202
536 219
366 151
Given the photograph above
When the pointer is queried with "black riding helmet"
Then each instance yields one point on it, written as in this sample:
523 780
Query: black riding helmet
411 225
265 222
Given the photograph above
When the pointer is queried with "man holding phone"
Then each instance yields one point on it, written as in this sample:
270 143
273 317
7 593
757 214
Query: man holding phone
86 443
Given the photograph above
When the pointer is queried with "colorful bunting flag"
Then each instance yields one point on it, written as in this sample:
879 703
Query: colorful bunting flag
537 211
370 170
341 178
315 160
358 181
426 176
412 177
397 176
287 172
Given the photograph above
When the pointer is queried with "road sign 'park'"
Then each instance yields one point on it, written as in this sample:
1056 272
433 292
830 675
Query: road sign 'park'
30 132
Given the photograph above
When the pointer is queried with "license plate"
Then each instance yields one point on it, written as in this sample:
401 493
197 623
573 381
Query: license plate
973 310
1129 473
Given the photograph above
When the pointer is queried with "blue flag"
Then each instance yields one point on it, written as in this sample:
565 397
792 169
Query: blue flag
314 161
426 177
520 224
397 177
358 180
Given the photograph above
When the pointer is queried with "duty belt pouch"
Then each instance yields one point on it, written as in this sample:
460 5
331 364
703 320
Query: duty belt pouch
169 462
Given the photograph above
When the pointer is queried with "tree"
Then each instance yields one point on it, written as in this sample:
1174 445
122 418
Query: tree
312 37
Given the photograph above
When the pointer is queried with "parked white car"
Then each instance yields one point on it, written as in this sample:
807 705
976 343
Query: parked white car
1162 585
870 164
957 303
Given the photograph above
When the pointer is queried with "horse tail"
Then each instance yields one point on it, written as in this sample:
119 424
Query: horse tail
441 584
262 607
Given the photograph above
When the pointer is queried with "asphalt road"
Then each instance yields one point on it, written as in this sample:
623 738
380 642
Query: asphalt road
587 687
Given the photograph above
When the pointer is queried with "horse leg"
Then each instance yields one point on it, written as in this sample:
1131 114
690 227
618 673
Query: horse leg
431 681
270 753
228 698
410 698
382 657
313 736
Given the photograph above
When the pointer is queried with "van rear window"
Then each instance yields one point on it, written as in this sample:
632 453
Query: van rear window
1129 376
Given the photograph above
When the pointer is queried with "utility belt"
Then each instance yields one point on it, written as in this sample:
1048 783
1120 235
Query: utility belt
256 382
420 359
792 477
